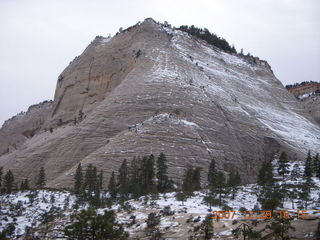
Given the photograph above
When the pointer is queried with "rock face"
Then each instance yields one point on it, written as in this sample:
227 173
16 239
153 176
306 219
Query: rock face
23 126
152 89
312 104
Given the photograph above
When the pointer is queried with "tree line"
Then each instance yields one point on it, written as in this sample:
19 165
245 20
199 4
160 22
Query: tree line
146 175
209 37
9 185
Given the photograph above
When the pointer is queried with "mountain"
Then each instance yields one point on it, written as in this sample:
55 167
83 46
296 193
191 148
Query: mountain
153 89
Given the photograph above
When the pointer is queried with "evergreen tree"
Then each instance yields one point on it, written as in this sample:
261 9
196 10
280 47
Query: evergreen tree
90 179
41 180
295 173
196 179
123 184
270 195
89 225
148 174
1 169
212 173
306 190
308 166
292 196
181 196
271 200
283 164
135 179
233 183
316 164
280 228
207 227
112 187
162 174
246 231
209 37
100 176
24 185
78 180
187 184
262 175
210 198
265 176
91 188
8 181
220 185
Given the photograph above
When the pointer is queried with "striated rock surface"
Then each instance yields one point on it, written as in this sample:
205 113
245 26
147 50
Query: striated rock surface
152 89
23 126
312 104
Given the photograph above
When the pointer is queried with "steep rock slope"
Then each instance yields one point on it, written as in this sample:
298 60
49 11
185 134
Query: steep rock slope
152 89
23 126
313 106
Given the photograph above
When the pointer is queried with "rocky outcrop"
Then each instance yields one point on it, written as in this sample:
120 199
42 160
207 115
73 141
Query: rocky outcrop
312 104
153 89
23 126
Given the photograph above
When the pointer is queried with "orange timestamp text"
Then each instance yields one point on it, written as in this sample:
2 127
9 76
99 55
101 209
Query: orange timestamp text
263 214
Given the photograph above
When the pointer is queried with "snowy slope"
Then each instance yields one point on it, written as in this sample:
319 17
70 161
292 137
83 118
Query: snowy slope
18 209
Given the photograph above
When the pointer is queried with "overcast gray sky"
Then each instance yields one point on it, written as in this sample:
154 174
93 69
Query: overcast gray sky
38 38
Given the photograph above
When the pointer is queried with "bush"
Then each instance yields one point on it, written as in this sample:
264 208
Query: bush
167 211
152 220
89 225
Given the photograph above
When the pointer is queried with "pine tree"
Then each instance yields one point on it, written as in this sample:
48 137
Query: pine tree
78 180
91 188
196 179
41 180
212 173
262 175
306 190
316 164
181 196
96 200
89 225
271 200
8 181
24 185
246 231
100 176
295 173
308 166
220 185
187 184
234 181
1 169
149 174
90 179
207 227
270 195
283 164
123 184
210 198
112 187
280 228
135 178
162 174
265 176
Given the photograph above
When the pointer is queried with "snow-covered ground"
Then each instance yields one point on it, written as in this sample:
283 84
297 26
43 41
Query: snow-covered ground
30 208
